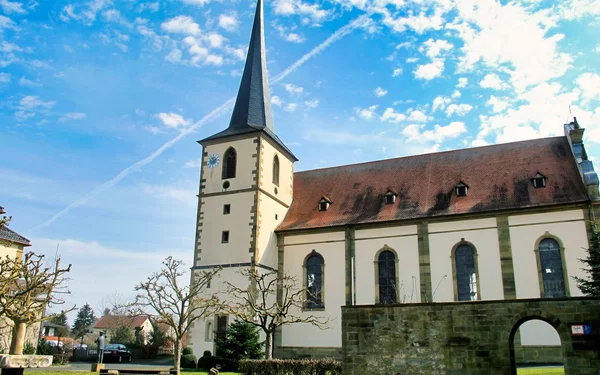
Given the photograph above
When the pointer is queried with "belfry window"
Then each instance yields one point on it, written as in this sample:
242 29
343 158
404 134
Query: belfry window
552 270
390 197
229 163
276 170
462 189
387 277
539 181
466 273
314 280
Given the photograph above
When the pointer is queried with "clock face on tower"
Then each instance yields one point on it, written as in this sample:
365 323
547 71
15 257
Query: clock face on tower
213 161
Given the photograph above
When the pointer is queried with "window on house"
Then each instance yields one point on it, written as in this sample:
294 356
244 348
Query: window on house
387 277
229 163
209 332
551 262
226 209
466 273
225 236
539 181
314 281
220 333
390 197
276 170
324 204
462 189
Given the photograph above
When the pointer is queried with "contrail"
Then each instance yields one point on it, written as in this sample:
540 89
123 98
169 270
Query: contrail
339 34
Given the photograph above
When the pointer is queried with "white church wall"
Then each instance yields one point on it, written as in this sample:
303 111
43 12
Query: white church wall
272 214
403 240
244 178
526 230
215 222
482 233
286 172
297 248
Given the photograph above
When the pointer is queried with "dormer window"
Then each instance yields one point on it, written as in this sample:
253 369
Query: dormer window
539 181
390 197
462 189
324 204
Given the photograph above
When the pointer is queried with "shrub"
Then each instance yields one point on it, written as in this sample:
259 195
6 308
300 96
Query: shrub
29 348
207 361
188 361
290 367
187 350
44 348
241 341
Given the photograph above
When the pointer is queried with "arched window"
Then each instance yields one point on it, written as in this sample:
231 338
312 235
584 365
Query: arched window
276 170
387 277
314 281
209 332
229 163
466 273
552 269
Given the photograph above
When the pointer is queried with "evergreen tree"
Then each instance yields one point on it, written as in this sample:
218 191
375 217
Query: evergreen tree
241 341
85 318
61 320
122 335
590 286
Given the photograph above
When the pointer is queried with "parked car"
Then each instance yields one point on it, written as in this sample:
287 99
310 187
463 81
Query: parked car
117 352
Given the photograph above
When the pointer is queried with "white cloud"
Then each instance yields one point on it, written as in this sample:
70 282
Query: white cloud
12 7
72 116
456 94
366 113
379 92
434 48
392 116
154 130
229 21
152 7
215 40
312 103
397 72
212 59
311 12
462 82
181 25
589 83
174 56
417 116
492 81
276 101
88 14
172 193
419 23
26 82
5 77
498 105
28 103
411 60
430 71
439 134
173 120
440 102
292 89
458 109
294 38
291 107
196 2
195 164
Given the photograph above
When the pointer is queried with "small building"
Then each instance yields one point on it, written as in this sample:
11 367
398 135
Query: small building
140 326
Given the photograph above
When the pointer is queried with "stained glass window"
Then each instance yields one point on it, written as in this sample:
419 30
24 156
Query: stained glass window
466 273
387 277
314 281
552 270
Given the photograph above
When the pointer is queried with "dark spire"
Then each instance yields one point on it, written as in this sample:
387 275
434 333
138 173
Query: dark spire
253 104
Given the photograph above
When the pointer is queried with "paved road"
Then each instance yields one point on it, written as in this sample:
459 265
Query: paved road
86 366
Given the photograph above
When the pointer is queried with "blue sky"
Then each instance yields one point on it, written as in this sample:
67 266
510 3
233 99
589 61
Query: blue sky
103 101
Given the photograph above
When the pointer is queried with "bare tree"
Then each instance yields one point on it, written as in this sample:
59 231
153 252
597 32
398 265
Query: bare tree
258 304
177 304
29 287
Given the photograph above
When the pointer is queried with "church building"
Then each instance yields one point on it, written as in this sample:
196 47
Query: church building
500 222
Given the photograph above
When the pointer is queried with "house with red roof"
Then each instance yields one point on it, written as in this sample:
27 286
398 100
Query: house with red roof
499 222
140 326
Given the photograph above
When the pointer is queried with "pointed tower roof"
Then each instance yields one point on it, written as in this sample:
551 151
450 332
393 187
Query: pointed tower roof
252 111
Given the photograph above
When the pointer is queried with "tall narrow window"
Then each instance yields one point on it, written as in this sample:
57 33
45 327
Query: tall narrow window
221 332
314 281
466 273
387 277
276 170
229 163
552 269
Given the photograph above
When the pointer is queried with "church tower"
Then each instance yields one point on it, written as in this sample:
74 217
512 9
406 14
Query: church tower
246 187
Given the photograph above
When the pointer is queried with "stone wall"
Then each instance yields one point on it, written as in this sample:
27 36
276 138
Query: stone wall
289 352
462 338
538 355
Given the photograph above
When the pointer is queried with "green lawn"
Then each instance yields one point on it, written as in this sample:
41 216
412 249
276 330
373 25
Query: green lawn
37 372
541 371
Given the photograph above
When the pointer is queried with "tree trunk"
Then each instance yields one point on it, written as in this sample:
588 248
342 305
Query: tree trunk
178 356
18 338
269 346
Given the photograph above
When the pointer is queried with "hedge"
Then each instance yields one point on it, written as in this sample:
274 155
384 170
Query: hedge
290 367
188 361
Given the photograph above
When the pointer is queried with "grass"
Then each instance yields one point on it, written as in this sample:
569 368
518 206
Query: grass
541 371
75 372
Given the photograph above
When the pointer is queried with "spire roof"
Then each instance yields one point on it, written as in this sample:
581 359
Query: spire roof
252 110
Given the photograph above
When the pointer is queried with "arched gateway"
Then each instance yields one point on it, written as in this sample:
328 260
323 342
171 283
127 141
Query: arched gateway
474 338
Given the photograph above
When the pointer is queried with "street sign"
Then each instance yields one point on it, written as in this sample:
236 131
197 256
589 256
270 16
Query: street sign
581 329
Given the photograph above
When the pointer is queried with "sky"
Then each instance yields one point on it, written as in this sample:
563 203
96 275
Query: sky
102 102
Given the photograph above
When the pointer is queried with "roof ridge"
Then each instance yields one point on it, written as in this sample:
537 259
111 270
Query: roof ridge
430 154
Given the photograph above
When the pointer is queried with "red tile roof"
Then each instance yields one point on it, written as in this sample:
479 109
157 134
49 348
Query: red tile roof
114 321
498 176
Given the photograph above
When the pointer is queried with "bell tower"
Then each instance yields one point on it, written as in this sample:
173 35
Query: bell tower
246 187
